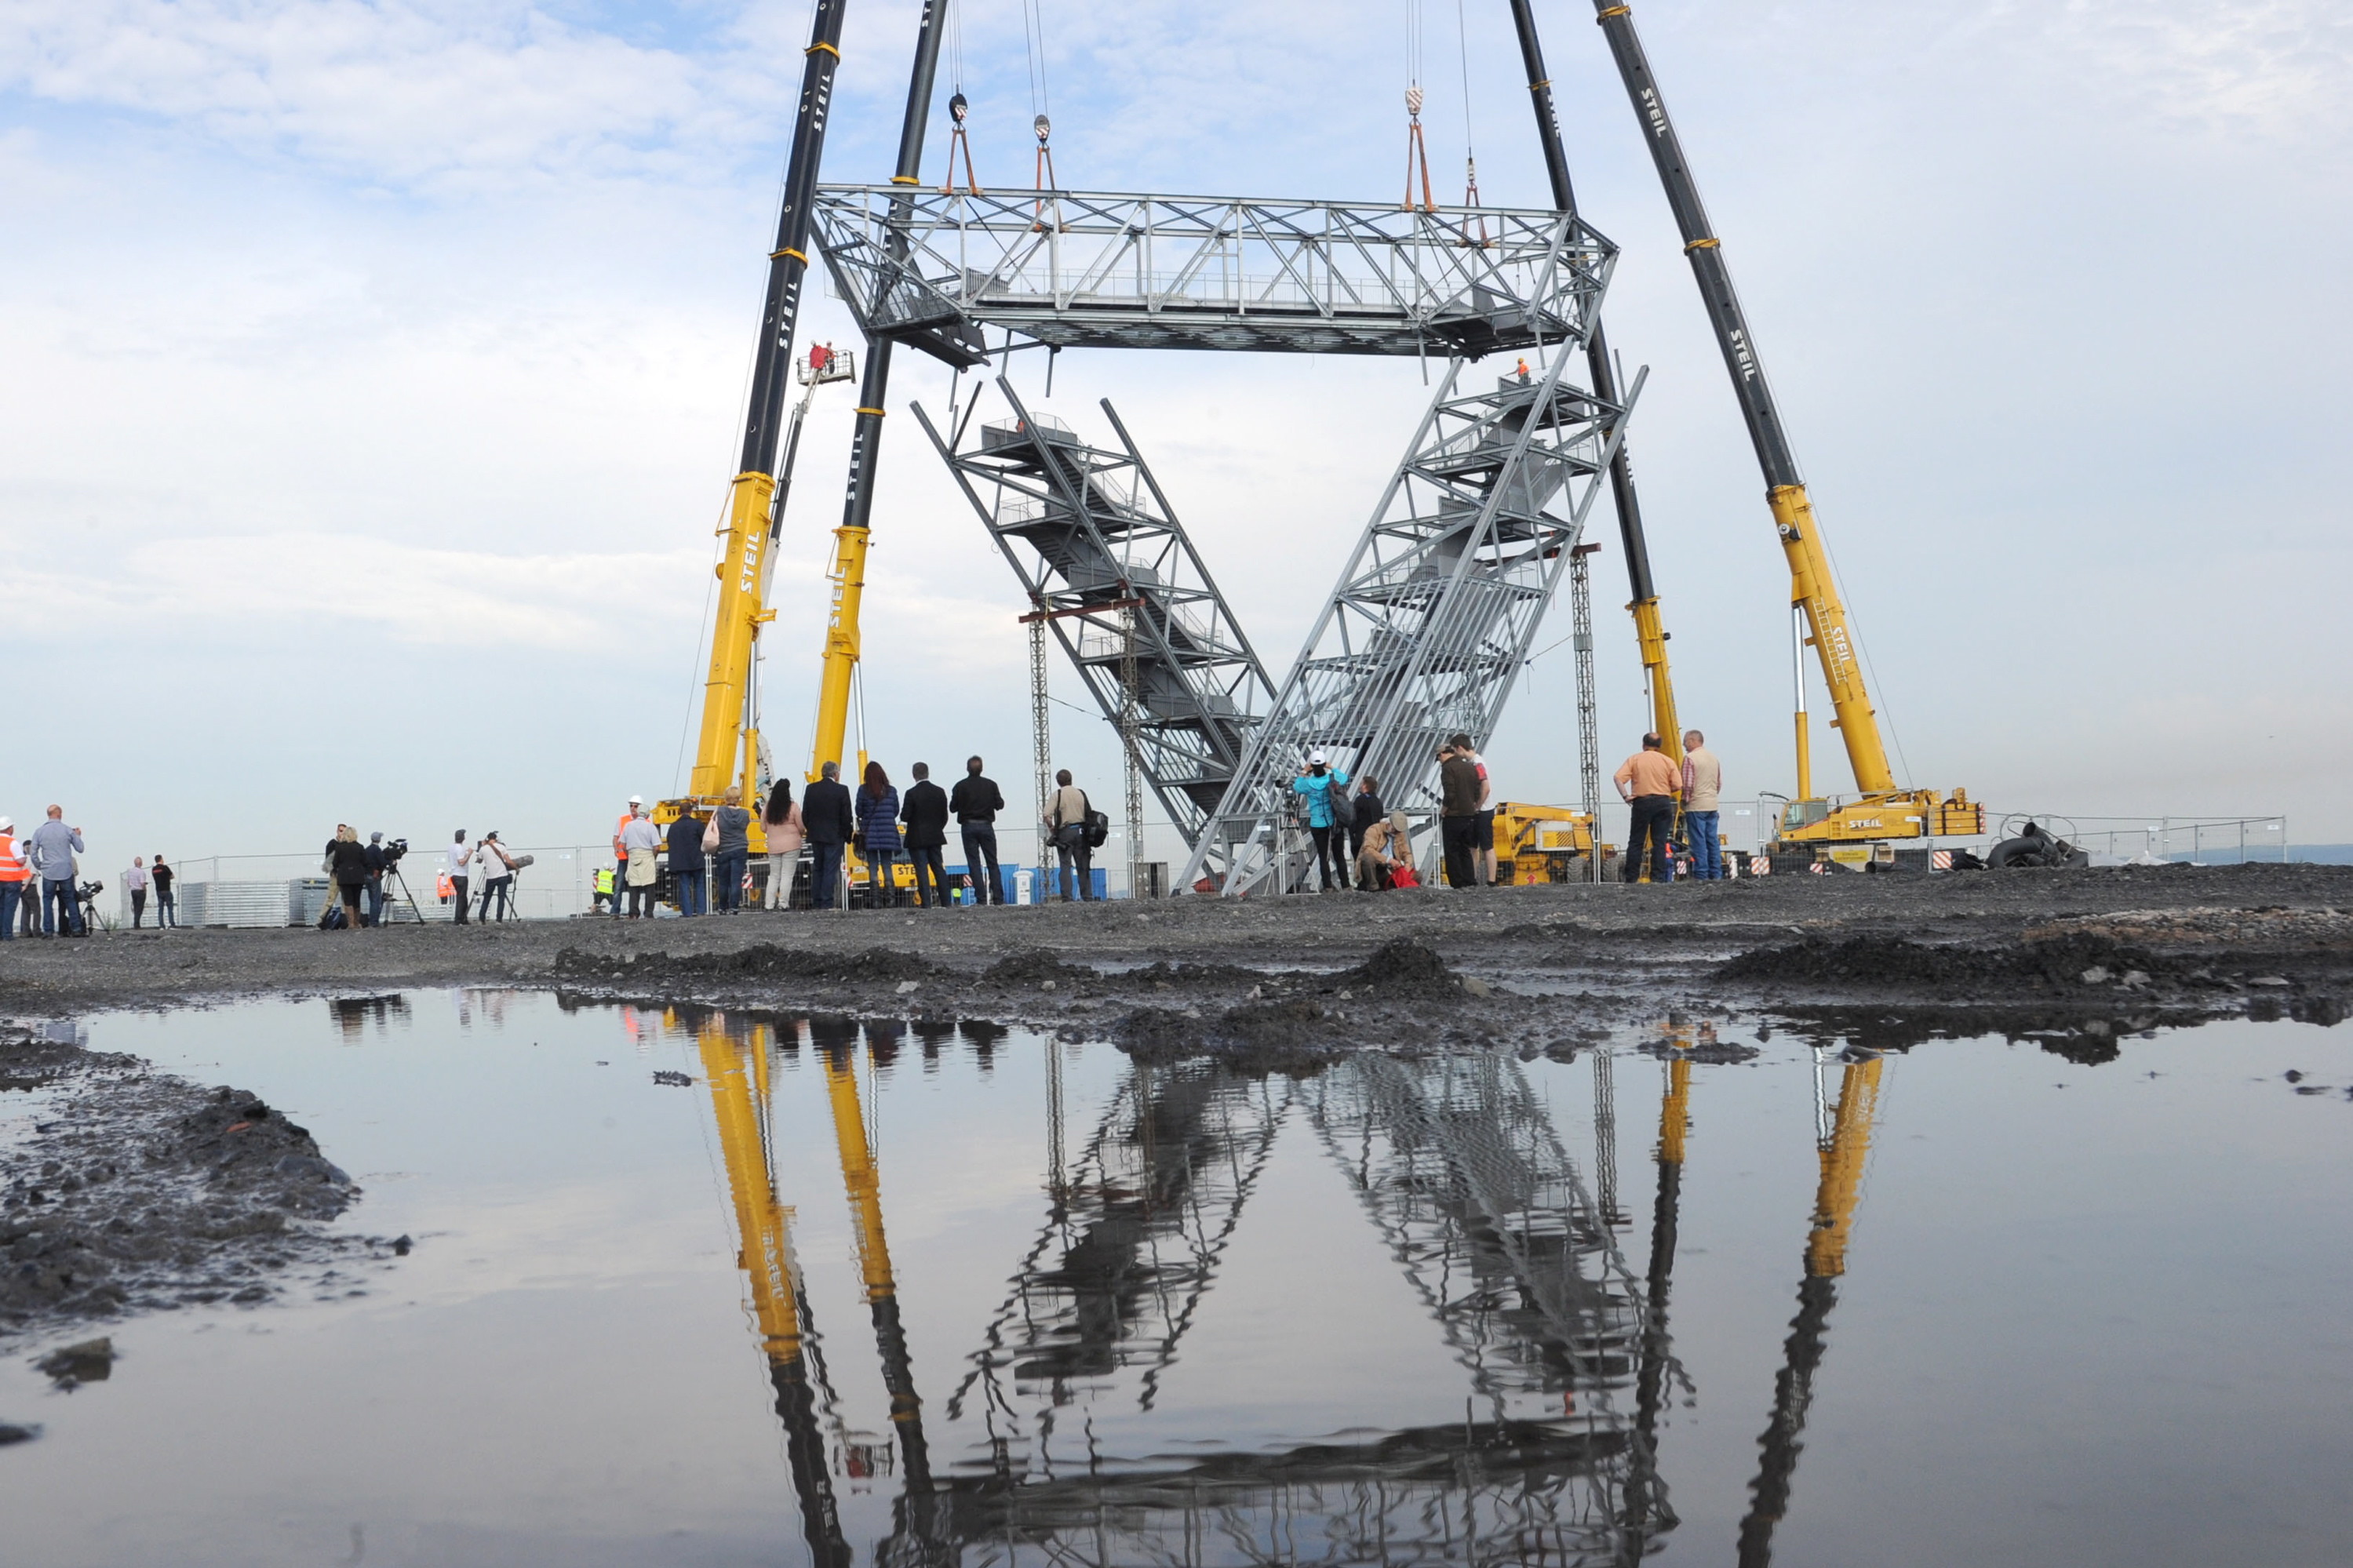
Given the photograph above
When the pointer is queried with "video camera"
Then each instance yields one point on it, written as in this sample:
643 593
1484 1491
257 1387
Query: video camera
394 849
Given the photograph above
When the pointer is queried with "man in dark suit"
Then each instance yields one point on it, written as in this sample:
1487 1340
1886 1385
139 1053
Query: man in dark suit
975 803
925 811
825 813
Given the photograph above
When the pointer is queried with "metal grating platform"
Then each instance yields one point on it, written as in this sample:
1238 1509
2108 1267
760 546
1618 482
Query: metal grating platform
1073 269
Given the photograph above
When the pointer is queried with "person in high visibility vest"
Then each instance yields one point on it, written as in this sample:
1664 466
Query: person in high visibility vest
604 898
15 876
621 850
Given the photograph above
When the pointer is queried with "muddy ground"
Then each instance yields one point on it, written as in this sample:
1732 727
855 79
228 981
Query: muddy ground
1901 957
138 1191
133 1191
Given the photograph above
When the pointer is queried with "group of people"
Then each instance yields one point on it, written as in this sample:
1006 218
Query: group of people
480 874
40 886
1359 831
1358 841
1655 787
709 853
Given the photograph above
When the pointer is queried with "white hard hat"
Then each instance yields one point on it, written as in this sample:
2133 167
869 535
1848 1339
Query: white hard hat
7 823
637 800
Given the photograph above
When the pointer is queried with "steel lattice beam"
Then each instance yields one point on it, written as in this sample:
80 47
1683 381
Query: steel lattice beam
1073 269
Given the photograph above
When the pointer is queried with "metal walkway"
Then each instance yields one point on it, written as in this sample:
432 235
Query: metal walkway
1091 537
1073 269
1429 626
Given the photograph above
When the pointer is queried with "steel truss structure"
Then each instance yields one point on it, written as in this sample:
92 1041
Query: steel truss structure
1096 546
1458 1165
1430 622
1074 269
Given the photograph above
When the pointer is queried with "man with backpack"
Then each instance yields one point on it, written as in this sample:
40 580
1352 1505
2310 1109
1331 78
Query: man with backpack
1324 789
1078 830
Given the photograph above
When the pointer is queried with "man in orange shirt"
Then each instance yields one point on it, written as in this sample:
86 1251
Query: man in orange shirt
1649 782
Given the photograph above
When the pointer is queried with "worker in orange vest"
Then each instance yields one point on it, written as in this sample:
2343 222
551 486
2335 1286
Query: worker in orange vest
15 876
620 851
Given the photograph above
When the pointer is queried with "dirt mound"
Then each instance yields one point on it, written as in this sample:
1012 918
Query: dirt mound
1032 968
764 961
1404 971
1707 1053
1896 961
145 1190
1289 1036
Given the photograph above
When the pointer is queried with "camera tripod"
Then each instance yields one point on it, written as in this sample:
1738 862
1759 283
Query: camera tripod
392 880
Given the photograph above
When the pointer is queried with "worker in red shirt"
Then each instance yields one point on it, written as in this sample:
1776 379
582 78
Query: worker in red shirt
1649 782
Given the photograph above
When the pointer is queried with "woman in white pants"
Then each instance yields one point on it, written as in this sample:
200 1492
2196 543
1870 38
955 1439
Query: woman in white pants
786 836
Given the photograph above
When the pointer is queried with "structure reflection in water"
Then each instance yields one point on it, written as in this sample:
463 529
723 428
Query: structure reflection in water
1455 1160
1842 1138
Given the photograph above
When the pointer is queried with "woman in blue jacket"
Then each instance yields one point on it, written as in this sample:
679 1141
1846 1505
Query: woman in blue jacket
878 833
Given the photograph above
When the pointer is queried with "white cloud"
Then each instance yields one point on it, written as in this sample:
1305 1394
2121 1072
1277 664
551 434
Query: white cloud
407 92
433 317
449 597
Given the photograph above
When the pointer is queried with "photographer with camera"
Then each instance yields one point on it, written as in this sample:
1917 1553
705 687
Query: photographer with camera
498 877
376 862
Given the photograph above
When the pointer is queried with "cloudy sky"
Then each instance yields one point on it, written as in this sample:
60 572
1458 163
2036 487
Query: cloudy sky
371 375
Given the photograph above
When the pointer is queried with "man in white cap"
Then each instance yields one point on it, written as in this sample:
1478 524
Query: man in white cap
621 852
1326 789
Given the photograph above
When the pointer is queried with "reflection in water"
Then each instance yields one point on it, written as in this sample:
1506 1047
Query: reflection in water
737 1071
1845 1146
1455 1162
353 1014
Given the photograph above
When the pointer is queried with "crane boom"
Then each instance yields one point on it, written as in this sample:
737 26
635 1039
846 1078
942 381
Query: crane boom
1785 489
1811 587
847 575
1649 628
727 750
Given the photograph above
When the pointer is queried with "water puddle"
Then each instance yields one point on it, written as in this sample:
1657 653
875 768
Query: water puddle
708 1288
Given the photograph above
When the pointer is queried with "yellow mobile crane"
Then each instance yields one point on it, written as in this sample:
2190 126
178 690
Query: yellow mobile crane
1881 811
729 750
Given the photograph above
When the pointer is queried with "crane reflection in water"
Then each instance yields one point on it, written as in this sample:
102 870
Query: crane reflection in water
1455 1163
